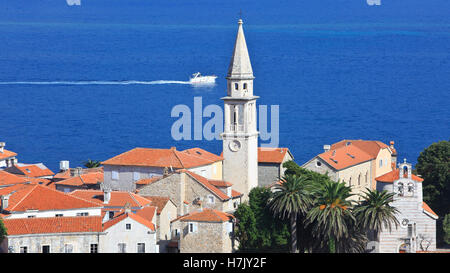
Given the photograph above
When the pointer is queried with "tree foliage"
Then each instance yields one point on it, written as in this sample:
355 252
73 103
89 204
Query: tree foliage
3 231
257 229
446 228
290 199
92 163
433 165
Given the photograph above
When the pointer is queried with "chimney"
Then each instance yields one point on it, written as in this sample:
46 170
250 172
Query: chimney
4 201
326 148
63 165
106 196
2 146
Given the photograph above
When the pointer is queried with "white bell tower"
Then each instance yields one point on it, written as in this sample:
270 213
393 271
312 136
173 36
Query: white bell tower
240 137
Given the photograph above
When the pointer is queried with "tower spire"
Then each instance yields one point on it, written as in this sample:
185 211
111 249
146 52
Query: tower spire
240 66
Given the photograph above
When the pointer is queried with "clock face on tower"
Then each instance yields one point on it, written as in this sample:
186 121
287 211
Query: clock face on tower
235 145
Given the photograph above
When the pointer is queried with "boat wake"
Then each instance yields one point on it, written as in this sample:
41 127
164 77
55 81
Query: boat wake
93 82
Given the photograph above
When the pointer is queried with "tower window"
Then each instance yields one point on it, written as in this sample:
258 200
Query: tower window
236 86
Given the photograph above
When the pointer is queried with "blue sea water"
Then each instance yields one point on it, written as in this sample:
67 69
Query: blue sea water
338 69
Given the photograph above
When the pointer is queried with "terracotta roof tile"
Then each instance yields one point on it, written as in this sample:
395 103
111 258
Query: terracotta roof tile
30 170
206 182
6 154
122 216
371 147
271 155
206 215
7 178
428 209
38 197
158 201
147 181
83 179
164 158
118 198
53 225
345 156
391 176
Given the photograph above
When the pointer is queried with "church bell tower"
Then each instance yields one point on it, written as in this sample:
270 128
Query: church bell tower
240 136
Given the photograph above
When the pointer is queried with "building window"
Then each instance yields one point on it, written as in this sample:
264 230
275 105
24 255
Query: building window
141 248
111 214
381 163
359 179
245 85
94 248
46 249
31 216
68 248
115 175
23 249
82 214
192 227
58 215
236 204
210 199
236 86
128 226
122 248
318 163
136 176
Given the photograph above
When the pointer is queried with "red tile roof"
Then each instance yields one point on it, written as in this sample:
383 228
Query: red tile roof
158 201
7 178
207 184
391 176
118 198
148 213
164 158
371 147
345 156
122 216
83 179
30 170
428 209
6 154
206 215
38 197
272 155
147 181
53 225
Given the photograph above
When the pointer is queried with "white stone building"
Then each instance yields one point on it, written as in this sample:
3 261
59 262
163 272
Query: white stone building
7 158
417 230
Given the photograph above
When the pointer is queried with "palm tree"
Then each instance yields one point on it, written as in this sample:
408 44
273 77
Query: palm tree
290 198
330 215
92 163
374 212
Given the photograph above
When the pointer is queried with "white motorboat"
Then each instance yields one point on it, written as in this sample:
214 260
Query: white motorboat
197 78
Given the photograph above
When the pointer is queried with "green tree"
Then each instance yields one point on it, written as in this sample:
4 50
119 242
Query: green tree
433 164
92 163
291 198
446 228
3 231
330 215
374 212
256 228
